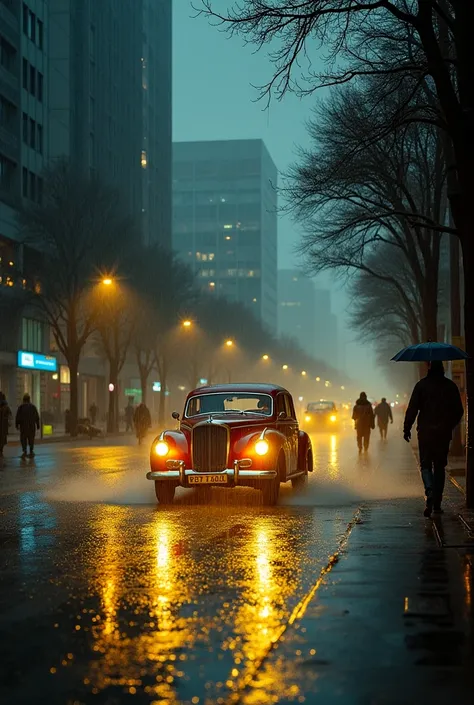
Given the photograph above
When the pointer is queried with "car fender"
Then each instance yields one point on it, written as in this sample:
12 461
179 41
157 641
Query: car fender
179 449
244 447
304 444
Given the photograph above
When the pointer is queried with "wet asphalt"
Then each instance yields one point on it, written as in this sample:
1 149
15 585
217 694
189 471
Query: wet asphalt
107 598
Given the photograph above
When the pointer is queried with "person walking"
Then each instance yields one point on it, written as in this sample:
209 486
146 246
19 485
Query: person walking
142 421
28 422
129 414
437 403
5 421
93 413
364 420
383 414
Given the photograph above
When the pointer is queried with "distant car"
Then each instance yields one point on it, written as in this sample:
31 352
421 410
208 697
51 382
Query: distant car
321 416
232 435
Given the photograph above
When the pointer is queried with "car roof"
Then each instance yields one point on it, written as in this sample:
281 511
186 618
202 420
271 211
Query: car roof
321 401
246 388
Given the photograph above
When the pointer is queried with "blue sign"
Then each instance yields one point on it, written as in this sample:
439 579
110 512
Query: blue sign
34 361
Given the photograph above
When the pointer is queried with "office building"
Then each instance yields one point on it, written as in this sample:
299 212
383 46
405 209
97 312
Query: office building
304 314
297 309
110 100
225 220
89 81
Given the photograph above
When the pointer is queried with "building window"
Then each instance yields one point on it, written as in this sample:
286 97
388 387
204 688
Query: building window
64 375
143 160
40 87
39 189
25 128
32 335
40 34
24 182
25 74
25 18
39 138
32 80
7 55
32 140
32 186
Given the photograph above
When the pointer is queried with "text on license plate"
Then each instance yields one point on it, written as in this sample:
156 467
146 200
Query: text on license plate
207 479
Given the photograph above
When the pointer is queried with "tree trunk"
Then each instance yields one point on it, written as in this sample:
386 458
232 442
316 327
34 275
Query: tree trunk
144 374
468 266
73 363
112 426
456 445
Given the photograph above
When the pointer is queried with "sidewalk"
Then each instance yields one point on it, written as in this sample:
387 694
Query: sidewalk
391 621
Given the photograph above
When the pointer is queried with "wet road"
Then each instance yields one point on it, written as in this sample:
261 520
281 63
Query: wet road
107 598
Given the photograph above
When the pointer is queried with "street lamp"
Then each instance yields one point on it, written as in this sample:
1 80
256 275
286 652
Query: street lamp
229 343
318 379
343 387
107 281
265 357
187 323
284 367
303 373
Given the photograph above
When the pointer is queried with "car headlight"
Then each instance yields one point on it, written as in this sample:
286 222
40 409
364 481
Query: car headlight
333 418
307 418
162 449
262 447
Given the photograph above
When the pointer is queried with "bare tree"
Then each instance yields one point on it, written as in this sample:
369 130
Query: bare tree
352 200
77 228
423 43
116 325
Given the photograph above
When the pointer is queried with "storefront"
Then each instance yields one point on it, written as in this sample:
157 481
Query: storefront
34 377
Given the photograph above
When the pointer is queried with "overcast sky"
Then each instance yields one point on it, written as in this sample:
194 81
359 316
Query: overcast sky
213 98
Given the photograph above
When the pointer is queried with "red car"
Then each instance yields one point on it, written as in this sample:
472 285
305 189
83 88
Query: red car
232 435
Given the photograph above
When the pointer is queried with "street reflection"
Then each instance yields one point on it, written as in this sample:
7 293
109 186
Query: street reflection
468 576
138 632
259 621
333 467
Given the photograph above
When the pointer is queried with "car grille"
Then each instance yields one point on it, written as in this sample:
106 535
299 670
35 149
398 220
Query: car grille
209 448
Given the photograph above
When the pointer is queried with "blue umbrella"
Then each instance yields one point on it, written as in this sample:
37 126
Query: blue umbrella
428 352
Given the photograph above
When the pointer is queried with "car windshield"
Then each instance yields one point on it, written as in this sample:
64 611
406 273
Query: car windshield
229 403
321 406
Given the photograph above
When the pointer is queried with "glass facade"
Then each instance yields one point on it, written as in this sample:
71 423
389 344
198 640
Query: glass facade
224 220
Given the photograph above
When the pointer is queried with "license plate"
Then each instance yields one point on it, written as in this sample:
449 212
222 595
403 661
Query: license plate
207 479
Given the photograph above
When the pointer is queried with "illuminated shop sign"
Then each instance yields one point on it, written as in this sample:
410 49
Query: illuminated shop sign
34 361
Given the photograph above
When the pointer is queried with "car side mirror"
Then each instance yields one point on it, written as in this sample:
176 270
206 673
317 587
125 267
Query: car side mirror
282 415
175 415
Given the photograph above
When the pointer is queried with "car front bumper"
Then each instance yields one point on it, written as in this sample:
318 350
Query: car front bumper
179 474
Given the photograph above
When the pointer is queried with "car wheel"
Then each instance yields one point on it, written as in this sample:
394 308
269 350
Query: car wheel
271 489
164 492
301 481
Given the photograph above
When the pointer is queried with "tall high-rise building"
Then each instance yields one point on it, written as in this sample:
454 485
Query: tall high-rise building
88 81
297 309
110 100
225 220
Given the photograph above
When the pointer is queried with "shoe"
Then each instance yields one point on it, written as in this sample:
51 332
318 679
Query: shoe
428 508
23 455
31 455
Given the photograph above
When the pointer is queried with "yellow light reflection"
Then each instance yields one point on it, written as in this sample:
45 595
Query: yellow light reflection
126 656
333 467
468 583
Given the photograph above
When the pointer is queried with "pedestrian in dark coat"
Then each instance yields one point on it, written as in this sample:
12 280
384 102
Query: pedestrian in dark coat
437 403
363 417
5 420
28 422
383 414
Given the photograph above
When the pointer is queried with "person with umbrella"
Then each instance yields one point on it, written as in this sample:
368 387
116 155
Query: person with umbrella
383 414
437 403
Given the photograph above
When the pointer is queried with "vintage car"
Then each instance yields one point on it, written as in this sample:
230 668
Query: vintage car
232 435
321 416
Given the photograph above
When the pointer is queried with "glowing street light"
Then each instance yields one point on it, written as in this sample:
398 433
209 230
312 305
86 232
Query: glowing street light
265 357
284 367
303 373
107 281
327 383
343 387
318 379
187 323
229 343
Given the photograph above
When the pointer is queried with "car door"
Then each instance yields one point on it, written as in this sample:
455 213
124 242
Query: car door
292 432
284 426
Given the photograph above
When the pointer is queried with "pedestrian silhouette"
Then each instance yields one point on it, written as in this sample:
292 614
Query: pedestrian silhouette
383 414
363 417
